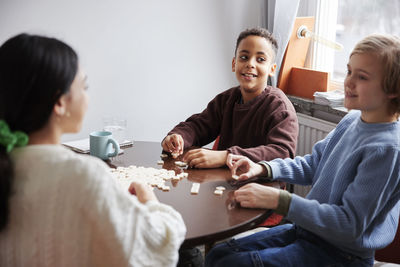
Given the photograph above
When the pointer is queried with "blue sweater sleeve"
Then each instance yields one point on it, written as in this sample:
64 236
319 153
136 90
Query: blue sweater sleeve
303 170
373 192
300 170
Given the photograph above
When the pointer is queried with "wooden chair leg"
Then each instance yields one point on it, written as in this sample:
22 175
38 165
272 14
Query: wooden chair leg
208 247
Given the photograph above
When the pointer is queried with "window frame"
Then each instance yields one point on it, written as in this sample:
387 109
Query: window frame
321 57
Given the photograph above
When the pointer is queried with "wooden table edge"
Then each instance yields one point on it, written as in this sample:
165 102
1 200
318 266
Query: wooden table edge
212 238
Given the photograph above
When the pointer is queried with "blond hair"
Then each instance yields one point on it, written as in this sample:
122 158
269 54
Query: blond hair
387 49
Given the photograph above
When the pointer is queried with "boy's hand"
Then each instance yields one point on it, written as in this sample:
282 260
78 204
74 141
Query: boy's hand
205 158
173 143
144 192
244 164
255 195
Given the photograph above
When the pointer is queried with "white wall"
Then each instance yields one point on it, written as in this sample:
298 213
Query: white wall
155 62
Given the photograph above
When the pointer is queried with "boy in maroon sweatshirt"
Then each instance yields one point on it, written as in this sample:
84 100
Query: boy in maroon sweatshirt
252 119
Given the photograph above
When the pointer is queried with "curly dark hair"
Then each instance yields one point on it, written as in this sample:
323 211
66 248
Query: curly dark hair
258 32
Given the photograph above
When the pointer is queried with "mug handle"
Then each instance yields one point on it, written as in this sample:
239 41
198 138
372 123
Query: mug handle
116 147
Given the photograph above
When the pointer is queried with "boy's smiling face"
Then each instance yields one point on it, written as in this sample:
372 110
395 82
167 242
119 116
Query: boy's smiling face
253 64
363 88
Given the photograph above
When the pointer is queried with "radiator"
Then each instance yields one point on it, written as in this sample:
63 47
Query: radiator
311 130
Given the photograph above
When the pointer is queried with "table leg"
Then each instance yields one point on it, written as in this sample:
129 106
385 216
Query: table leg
208 247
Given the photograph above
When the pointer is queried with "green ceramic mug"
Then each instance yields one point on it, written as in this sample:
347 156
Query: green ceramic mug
102 144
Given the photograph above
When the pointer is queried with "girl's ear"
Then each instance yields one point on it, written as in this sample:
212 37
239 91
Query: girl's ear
273 69
233 64
60 107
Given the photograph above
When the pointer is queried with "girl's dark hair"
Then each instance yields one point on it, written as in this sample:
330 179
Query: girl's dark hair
35 71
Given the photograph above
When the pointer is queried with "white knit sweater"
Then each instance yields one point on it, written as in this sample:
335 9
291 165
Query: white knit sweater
67 210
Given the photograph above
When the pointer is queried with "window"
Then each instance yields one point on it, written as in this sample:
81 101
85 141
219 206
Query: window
357 19
349 21
321 57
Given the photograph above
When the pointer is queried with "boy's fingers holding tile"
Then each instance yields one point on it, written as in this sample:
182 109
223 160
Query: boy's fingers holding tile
177 143
235 163
245 166
232 158
167 143
181 144
230 161
164 144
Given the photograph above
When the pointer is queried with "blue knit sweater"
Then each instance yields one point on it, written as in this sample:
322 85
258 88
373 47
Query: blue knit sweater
355 177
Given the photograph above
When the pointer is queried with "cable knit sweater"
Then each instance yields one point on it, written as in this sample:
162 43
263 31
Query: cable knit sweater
355 174
67 210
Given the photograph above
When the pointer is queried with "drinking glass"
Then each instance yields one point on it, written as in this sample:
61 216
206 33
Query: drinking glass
117 126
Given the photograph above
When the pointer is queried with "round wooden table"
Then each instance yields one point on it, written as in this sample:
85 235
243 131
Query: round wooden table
208 217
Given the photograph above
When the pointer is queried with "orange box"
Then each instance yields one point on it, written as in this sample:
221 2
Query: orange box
304 82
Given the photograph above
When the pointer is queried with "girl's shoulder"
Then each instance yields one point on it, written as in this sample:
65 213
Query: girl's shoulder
86 165
58 158
59 167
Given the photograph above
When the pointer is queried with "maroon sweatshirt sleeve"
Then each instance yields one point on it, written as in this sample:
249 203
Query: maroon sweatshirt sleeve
203 128
280 141
267 129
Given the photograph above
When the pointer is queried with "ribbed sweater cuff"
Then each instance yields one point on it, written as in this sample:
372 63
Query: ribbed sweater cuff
284 202
268 168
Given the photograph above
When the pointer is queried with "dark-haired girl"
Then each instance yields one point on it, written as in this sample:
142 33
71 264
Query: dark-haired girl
58 208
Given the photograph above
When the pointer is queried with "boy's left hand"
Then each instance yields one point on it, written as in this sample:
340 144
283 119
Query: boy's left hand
255 195
205 158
